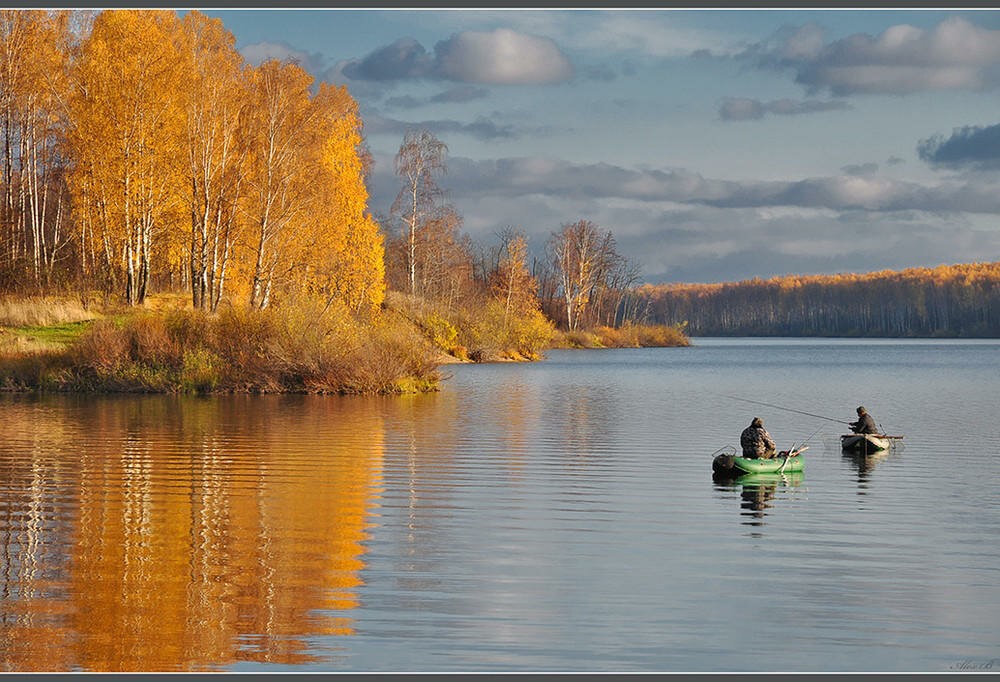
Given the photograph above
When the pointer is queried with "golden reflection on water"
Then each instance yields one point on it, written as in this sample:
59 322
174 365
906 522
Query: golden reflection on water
179 534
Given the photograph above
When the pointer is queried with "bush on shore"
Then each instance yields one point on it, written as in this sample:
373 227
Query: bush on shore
483 334
629 335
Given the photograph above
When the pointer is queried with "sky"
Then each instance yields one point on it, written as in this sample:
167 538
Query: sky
715 144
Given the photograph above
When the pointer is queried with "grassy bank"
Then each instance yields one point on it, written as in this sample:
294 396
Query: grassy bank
166 347
171 349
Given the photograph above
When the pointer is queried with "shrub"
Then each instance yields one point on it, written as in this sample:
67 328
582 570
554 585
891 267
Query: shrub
395 359
199 373
496 336
102 348
442 333
629 335
577 339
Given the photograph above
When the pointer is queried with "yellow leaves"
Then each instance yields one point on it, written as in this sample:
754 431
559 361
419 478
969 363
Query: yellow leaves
126 135
186 165
350 243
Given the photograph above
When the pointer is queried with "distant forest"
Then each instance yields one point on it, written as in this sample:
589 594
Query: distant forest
946 301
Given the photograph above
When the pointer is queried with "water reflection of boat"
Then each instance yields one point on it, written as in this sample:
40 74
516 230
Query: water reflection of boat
757 490
793 478
866 461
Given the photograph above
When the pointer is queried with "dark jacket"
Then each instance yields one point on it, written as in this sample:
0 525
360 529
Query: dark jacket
756 443
865 424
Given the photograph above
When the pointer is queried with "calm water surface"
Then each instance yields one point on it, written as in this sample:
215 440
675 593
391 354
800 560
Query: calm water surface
552 516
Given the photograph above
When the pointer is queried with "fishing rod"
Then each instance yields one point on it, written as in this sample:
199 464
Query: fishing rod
810 437
788 409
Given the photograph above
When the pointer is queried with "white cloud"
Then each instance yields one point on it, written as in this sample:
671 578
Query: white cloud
954 55
514 177
499 57
258 53
502 57
650 33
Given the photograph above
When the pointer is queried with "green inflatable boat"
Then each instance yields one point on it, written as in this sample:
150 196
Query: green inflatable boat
728 464
768 466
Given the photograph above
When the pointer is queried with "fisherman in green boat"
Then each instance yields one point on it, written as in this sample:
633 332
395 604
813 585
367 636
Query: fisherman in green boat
756 441
865 423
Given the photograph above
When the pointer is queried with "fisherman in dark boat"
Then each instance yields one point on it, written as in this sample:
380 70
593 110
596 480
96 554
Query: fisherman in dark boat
865 423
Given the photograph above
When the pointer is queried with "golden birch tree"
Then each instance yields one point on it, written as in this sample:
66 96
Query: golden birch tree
33 62
283 162
579 254
349 253
512 283
421 156
126 138
215 152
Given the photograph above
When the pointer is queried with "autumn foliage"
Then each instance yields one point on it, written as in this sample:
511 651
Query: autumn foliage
152 156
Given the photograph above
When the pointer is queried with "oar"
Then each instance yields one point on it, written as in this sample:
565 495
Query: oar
791 453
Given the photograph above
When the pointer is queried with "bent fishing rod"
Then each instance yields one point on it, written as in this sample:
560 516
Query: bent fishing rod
788 409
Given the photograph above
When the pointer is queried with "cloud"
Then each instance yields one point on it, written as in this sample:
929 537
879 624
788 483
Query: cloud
502 57
745 109
903 59
461 94
258 53
482 128
857 193
789 46
654 33
405 102
646 33
517 177
499 57
862 169
680 226
973 147
600 72
403 59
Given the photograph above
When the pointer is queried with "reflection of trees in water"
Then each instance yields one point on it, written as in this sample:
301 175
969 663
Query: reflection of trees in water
588 419
182 533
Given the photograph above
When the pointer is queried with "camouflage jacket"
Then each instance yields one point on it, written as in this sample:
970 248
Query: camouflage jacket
755 441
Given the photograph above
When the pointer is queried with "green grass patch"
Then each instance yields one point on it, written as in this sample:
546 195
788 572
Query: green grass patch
63 334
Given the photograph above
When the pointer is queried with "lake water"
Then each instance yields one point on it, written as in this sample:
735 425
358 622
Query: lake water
549 516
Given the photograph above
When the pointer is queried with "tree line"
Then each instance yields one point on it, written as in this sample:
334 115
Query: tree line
946 301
